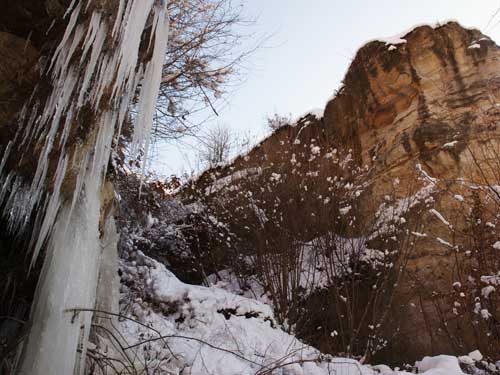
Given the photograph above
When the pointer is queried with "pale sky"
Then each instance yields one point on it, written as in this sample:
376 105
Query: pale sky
312 44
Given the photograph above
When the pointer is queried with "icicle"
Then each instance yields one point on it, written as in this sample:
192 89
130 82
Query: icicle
97 45
151 84
68 280
67 33
119 17
77 38
82 169
5 184
130 41
70 8
52 208
104 80
30 123
6 154
93 28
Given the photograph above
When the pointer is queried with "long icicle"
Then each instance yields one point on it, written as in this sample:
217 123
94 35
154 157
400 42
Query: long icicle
104 80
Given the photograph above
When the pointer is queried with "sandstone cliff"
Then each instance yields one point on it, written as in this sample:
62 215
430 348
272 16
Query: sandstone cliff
423 111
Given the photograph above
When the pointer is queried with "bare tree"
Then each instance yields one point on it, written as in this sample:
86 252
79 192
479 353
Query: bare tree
216 146
204 53
277 121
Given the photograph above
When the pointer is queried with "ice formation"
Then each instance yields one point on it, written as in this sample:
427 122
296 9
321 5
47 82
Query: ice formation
68 280
87 82
97 66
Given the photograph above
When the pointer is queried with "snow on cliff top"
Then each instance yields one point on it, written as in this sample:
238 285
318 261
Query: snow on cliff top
399 38
316 112
392 42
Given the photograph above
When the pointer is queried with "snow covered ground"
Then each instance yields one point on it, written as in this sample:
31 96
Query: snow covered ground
177 328
212 331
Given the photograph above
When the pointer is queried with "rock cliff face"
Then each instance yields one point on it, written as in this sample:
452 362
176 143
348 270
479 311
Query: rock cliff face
430 102
403 102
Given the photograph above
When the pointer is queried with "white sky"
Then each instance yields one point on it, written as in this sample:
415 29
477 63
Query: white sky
312 44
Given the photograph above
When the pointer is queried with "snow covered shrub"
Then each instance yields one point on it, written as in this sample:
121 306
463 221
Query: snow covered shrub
295 227
353 311
276 121
153 221
276 212
472 303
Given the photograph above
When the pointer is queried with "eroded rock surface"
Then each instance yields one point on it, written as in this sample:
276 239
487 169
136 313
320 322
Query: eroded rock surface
432 102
